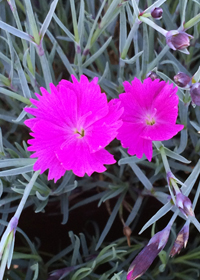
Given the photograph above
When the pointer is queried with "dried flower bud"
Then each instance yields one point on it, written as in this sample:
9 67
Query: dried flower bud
195 93
157 13
181 240
182 79
184 204
152 75
145 258
127 232
178 40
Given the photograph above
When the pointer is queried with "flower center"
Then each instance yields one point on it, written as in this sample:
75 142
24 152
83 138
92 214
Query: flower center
82 133
150 121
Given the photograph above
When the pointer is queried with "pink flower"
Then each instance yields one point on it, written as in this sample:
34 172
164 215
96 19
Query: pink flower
72 127
150 113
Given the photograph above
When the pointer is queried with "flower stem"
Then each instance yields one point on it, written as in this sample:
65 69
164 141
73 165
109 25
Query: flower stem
26 194
153 25
173 218
164 159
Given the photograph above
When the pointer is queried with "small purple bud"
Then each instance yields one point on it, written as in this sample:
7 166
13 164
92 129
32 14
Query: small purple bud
157 13
57 274
195 93
184 204
182 79
145 258
181 240
86 52
178 40
78 49
40 49
152 75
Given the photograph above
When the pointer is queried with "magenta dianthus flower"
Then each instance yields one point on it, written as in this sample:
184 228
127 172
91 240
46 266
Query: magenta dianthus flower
150 113
72 126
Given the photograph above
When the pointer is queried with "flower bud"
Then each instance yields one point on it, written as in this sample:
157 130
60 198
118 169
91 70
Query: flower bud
182 79
178 40
145 258
184 204
127 232
181 240
157 13
152 75
195 93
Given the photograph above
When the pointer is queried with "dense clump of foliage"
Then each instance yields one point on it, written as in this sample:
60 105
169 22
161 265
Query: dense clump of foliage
88 227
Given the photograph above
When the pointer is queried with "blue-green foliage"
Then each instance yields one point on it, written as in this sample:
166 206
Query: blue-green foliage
42 42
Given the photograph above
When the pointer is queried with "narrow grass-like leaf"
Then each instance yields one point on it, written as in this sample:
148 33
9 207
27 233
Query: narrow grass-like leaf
110 194
67 177
46 71
1 188
62 55
65 208
183 141
107 18
134 211
48 19
135 8
196 197
167 18
167 61
69 34
81 19
32 22
20 117
156 4
123 29
98 53
110 220
59 255
189 183
16 162
183 5
41 206
14 95
76 244
1 144
11 56
7 200
88 200
84 244
196 76
141 176
16 171
22 78
130 38
145 55
74 20
133 59
156 61
15 31
176 156
81 273
161 212
35 268
105 73
41 197
195 125
88 45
